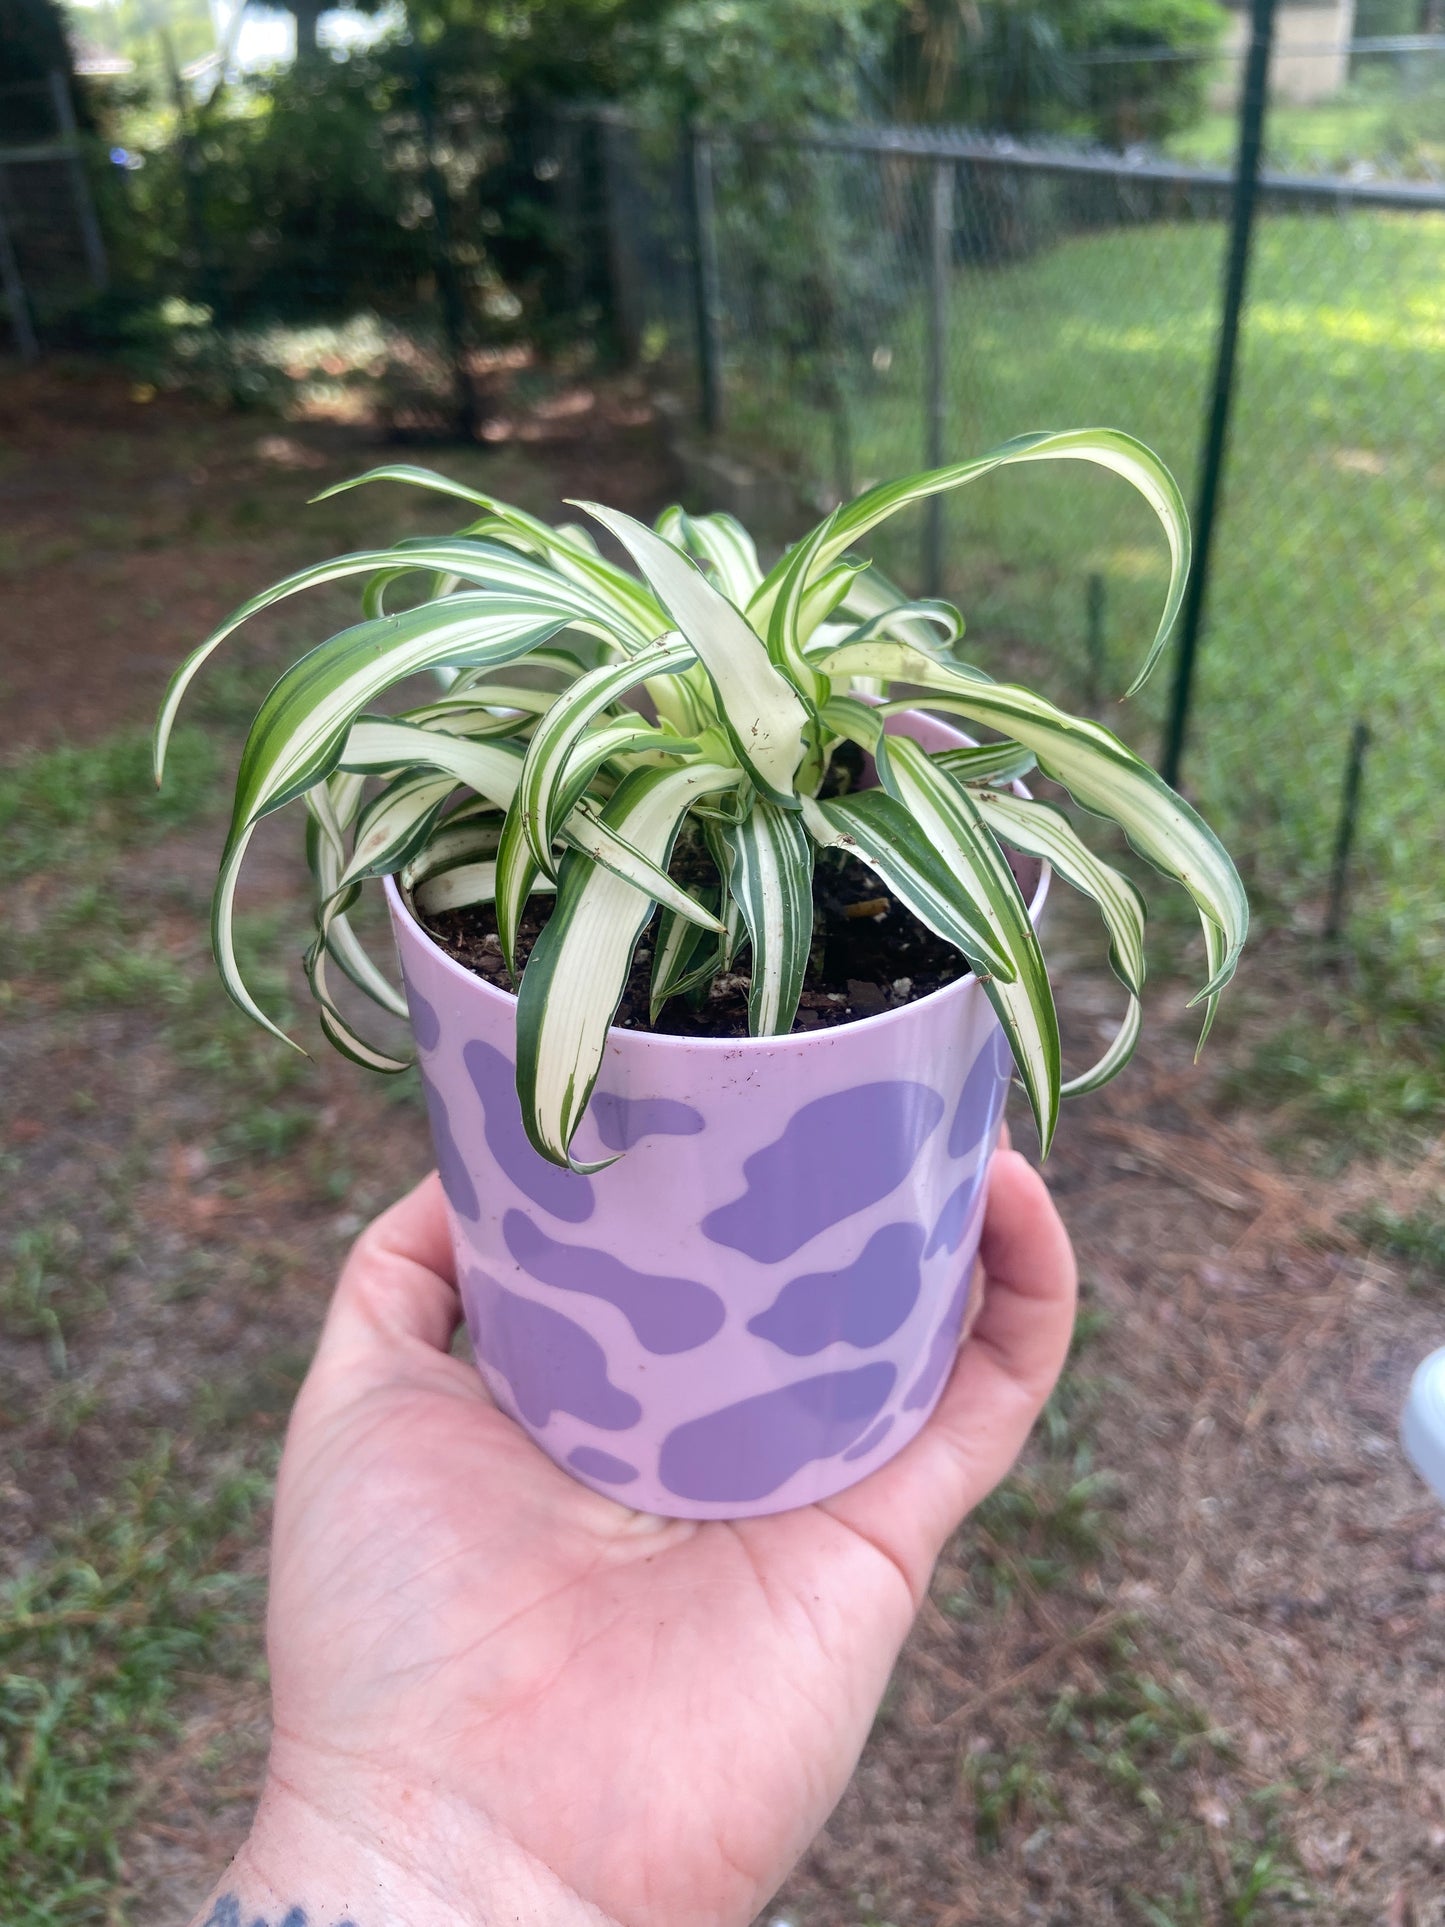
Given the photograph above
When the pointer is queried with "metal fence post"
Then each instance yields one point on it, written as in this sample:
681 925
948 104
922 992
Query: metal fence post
13 288
454 314
935 404
1246 193
1345 833
90 234
626 317
706 283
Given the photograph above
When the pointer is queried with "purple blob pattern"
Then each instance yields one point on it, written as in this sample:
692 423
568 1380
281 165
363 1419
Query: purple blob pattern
624 1121
667 1314
981 1099
952 1221
550 1363
941 1352
747 1450
566 1194
451 1165
873 1134
597 1464
870 1441
425 1024
862 1304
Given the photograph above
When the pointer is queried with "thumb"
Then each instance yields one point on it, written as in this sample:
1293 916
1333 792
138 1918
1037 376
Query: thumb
398 1285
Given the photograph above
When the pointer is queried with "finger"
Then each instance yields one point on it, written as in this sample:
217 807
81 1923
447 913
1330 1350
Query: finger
399 1281
999 1384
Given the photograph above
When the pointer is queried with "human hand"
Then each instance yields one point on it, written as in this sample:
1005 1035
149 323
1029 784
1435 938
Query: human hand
500 1696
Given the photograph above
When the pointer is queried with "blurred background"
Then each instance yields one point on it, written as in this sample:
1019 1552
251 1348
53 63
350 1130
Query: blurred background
754 254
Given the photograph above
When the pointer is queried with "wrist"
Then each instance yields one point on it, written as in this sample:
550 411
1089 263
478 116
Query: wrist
336 1848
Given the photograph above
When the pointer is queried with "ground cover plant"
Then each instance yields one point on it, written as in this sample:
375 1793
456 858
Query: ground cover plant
755 680
1328 584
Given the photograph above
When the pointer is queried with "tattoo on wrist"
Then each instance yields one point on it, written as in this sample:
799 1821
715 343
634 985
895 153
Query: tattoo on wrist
226 1912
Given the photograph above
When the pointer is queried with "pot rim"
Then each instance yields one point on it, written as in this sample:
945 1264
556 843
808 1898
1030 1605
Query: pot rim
400 905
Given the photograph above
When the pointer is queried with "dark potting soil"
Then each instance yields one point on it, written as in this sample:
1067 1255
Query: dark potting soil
870 954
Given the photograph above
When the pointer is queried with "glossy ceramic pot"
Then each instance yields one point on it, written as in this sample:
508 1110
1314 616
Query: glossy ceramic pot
759 1302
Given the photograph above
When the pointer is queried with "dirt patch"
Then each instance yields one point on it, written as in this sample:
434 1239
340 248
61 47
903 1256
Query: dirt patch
132 522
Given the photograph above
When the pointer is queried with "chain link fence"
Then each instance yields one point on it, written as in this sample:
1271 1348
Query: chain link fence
856 305
853 304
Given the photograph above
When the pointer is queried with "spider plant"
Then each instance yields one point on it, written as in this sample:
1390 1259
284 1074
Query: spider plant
700 691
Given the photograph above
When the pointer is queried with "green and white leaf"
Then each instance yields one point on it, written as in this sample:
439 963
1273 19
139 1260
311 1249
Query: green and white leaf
579 964
1042 830
726 544
593 835
948 815
470 834
572 558
679 945
875 827
986 762
396 824
1105 447
1106 777
771 879
331 807
762 712
561 730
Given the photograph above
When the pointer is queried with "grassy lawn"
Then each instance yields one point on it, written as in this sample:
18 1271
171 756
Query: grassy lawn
1397 125
1328 591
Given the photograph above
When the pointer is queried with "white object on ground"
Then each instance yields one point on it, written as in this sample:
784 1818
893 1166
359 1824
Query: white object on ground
1422 1423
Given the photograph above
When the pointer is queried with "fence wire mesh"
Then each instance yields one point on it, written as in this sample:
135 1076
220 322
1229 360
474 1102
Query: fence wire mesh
876 308
849 306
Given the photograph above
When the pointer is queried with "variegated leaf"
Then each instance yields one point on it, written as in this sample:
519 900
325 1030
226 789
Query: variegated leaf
579 964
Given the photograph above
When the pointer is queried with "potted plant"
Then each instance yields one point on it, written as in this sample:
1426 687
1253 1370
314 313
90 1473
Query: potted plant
715 1170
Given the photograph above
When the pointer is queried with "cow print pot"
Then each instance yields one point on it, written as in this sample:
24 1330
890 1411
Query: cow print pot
759 1302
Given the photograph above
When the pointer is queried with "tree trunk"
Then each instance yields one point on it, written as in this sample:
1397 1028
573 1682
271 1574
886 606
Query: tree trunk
307 13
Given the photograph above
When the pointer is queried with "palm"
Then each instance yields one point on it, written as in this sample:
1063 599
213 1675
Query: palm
659 1712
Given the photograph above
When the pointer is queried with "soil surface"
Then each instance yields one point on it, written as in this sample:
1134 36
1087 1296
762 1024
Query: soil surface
1183 1669
870 954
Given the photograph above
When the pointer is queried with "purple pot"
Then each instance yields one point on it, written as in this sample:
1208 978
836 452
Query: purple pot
759 1302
